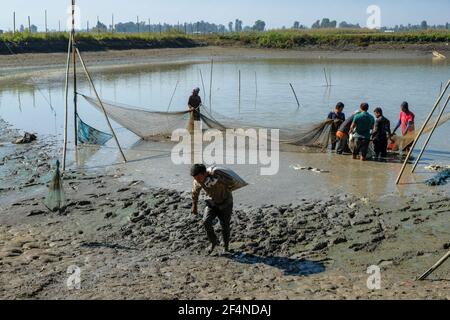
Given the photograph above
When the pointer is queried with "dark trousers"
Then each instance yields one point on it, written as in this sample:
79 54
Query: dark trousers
223 213
361 146
380 147
333 139
342 145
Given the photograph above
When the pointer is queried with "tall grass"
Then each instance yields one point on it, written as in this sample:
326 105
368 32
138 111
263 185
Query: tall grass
284 39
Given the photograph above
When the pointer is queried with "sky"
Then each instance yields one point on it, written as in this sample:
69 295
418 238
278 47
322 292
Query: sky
276 13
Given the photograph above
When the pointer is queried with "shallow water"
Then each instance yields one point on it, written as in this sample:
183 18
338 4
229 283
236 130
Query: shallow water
266 99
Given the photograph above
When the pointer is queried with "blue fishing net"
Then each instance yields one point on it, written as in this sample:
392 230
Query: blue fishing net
90 135
440 179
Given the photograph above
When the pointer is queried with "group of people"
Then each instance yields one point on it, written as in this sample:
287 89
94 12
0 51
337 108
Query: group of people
362 128
357 131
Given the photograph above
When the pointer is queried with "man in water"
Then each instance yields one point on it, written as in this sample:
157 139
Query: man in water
194 104
363 124
338 118
343 134
406 121
219 204
381 134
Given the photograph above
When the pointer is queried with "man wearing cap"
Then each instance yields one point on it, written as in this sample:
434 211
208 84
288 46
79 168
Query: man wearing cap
219 205
194 104
406 121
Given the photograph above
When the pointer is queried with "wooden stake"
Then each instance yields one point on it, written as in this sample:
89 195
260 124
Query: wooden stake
420 133
295 95
101 104
430 135
433 268
173 94
66 104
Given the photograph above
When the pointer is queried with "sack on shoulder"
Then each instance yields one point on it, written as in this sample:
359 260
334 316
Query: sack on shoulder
234 181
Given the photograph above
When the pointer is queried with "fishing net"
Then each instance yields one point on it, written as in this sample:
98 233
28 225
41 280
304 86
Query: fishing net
89 135
153 125
406 141
56 198
440 179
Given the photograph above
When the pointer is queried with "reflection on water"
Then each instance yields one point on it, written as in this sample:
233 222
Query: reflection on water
266 99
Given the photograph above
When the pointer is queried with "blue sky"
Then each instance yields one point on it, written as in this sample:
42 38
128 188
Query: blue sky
275 13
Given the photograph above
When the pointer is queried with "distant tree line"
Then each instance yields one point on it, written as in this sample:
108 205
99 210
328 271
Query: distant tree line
203 27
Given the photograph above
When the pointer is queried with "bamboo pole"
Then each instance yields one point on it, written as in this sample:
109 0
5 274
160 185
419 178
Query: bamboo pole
210 86
101 104
430 135
203 84
173 94
46 28
420 133
326 78
256 89
239 91
295 95
66 104
74 58
434 268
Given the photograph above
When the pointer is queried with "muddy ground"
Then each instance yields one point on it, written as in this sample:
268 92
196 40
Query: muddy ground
134 241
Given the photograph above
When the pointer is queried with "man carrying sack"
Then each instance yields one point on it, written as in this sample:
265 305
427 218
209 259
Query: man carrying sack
218 183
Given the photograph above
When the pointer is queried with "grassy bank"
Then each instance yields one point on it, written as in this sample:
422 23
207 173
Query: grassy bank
282 39
25 42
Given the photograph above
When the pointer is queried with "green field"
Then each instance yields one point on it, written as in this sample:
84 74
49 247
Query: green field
283 39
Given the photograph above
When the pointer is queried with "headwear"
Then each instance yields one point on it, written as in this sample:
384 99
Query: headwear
197 169
405 105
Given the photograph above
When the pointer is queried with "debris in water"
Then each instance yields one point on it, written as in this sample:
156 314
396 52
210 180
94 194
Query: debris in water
437 167
438 55
27 138
316 170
